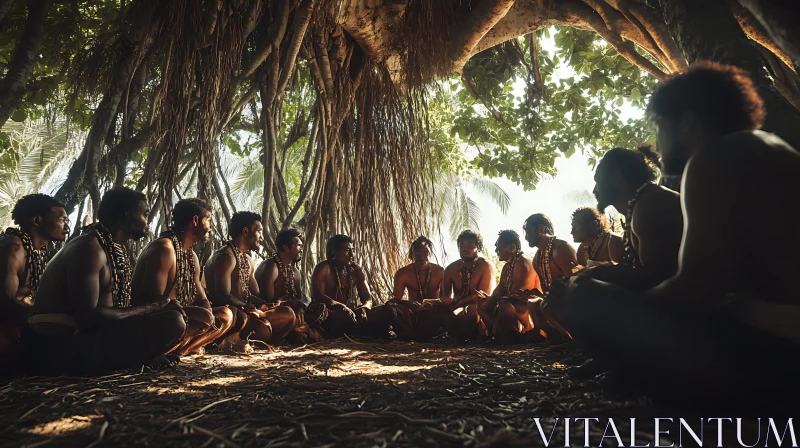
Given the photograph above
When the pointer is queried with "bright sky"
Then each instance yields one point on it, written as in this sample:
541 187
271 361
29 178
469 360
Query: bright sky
574 174
550 196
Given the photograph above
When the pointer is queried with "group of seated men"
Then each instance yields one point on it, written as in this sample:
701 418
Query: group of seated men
690 293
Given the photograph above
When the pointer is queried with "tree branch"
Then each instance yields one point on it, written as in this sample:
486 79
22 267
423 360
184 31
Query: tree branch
480 20
274 36
474 93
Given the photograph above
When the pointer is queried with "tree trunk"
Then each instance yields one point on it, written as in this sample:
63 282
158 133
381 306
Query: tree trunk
708 31
12 86
781 23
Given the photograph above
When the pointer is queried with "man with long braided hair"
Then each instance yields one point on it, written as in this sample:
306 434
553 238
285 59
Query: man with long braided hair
83 322
40 219
505 313
591 229
231 281
168 267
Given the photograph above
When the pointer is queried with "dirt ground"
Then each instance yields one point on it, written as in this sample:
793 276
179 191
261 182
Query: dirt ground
336 393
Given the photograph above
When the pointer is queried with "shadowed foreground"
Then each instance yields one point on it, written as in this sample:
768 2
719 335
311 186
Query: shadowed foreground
337 393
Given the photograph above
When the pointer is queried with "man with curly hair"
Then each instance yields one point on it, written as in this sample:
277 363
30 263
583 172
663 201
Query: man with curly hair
555 258
591 229
40 219
729 315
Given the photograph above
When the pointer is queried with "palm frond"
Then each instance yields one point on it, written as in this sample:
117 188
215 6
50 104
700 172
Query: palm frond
491 189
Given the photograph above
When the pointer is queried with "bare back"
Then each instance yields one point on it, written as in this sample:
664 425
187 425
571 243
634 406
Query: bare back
224 264
271 283
157 261
76 279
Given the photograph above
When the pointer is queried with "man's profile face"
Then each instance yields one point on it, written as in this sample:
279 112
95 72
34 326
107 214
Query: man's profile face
55 225
296 249
672 141
504 251
468 249
255 235
581 231
137 221
605 188
532 234
203 227
345 253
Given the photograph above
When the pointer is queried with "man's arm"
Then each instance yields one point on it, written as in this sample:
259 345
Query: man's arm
565 259
84 290
399 285
12 264
706 257
268 279
200 298
152 273
616 249
223 267
658 226
254 290
446 293
321 272
487 281
361 285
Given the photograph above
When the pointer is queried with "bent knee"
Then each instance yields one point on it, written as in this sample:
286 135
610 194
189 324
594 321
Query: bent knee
224 315
506 310
172 324
200 316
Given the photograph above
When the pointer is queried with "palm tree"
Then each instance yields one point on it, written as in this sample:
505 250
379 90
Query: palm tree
458 211
33 158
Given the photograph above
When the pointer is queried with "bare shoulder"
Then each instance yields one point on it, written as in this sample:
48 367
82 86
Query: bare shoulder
435 268
657 202
158 248
322 268
562 247
267 265
86 248
11 246
404 271
454 267
484 265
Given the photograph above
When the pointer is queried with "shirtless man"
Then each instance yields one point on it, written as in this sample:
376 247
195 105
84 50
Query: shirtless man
418 281
280 282
464 282
654 223
40 220
505 313
726 323
231 281
83 322
340 295
168 267
555 259
591 229
278 277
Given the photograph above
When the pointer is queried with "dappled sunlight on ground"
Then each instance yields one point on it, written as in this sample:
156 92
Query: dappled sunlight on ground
336 393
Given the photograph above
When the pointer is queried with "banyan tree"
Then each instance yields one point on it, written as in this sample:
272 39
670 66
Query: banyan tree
336 90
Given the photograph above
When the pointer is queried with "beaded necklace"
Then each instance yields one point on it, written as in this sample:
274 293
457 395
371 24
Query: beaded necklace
287 276
543 264
244 269
348 298
466 277
423 288
631 258
35 259
185 286
120 265
507 277
594 246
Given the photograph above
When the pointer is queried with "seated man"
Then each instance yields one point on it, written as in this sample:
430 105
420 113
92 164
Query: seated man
280 282
168 268
654 223
505 313
340 297
709 327
555 259
231 281
591 229
83 322
41 219
421 280
464 282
